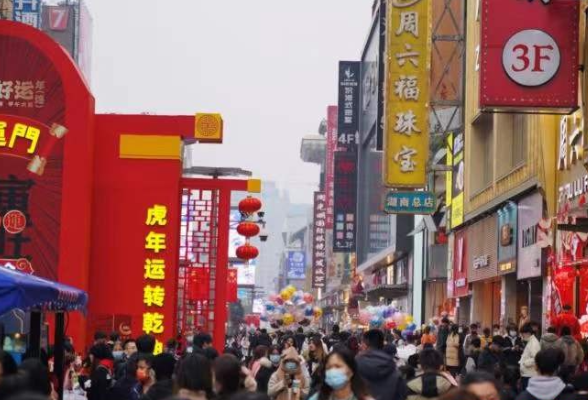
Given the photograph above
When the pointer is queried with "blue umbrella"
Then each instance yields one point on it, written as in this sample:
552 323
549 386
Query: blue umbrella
28 292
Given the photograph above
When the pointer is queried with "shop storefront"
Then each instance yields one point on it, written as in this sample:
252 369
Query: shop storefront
530 264
507 261
569 272
482 241
457 280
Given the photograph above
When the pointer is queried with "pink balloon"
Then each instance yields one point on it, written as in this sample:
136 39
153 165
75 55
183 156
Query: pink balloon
365 317
308 298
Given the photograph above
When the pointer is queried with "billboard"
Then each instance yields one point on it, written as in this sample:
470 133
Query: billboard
27 11
372 79
32 118
348 121
59 23
296 265
235 240
344 232
406 123
529 55
245 273
330 161
319 240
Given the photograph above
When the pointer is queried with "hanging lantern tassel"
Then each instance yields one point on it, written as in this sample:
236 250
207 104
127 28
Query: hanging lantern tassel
247 252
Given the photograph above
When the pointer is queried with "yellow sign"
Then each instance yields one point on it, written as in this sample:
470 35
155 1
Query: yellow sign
153 292
209 128
455 178
406 124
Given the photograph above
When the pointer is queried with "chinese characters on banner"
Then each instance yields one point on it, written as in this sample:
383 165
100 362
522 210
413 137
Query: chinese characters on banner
22 94
296 265
330 162
348 121
319 237
154 290
28 12
345 201
407 94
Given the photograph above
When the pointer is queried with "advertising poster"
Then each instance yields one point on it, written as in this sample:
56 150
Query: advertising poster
296 265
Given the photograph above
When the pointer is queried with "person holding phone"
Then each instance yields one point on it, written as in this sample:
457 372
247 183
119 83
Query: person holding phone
291 380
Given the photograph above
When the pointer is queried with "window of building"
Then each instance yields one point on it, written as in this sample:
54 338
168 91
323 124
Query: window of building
482 157
511 130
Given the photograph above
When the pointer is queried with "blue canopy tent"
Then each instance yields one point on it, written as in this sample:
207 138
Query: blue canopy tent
31 293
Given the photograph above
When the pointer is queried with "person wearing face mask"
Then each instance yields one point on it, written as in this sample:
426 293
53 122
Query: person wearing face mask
452 351
341 378
291 381
513 348
527 362
144 374
269 363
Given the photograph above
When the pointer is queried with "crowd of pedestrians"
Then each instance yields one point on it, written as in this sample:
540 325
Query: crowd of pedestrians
445 362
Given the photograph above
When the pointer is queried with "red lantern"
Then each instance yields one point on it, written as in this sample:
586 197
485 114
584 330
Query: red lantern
248 229
247 252
249 205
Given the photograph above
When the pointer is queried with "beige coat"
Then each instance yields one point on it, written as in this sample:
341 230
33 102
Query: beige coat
452 351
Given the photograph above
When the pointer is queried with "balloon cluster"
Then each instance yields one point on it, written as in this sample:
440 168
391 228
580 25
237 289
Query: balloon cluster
387 317
291 308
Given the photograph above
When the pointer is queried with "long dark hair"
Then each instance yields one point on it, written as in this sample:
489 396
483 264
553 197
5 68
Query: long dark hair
357 385
194 373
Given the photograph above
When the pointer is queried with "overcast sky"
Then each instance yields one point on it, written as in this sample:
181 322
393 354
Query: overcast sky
268 66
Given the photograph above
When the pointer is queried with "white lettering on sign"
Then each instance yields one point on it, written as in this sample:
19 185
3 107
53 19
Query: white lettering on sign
574 189
460 282
481 261
531 57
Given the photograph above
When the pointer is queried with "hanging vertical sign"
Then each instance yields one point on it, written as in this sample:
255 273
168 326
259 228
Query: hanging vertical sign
345 201
457 177
348 126
330 162
529 55
319 240
406 123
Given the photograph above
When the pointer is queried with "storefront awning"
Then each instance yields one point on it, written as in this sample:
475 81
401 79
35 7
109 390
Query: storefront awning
384 258
389 292
28 292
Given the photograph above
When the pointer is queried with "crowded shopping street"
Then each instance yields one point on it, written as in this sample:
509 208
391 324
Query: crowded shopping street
309 200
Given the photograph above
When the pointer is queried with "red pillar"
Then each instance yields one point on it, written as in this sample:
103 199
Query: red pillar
222 263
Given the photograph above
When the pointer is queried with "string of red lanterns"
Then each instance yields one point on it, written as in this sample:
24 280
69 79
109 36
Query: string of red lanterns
247 207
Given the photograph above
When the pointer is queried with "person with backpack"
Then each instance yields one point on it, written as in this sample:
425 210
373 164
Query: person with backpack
547 385
101 373
573 352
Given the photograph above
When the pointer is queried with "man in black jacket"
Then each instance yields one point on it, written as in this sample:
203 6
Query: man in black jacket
378 369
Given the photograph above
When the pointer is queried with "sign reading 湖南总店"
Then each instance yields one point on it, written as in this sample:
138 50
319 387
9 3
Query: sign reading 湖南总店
529 55
319 242
348 122
403 202
406 122
344 238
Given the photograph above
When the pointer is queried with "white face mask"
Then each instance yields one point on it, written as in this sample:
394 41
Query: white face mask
513 333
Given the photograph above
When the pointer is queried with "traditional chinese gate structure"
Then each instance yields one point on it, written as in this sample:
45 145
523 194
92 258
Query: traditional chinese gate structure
204 254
